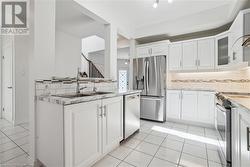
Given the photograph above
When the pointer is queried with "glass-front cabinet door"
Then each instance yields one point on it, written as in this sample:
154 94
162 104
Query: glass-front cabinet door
222 50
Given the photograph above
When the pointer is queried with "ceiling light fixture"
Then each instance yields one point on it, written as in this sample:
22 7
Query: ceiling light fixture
155 5
170 1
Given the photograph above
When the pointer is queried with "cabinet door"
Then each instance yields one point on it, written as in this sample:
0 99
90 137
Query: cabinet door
236 31
222 50
143 51
175 57
189 105
206 107
190 55
160 49
82 132
112 123
206 54
244 132
174 104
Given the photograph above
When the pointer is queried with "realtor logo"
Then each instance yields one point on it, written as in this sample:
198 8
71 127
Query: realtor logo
14 18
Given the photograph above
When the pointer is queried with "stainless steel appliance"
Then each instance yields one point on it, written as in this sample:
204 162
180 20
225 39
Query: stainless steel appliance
223 126
131 114
150 77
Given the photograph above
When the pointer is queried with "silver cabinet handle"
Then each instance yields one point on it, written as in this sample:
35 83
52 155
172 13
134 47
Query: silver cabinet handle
234 56
99 114
104 111
248 142
9 87
180 63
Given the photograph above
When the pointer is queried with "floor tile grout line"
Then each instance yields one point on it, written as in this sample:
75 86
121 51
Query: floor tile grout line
206 149
157 151
182 149
16 144
15 157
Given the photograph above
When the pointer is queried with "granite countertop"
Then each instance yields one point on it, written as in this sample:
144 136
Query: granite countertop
239 99
69 101
191 89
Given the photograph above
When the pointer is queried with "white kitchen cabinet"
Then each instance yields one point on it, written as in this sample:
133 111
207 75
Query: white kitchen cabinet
222 50
152 49
112 123
239 28
241 137
244 141
206 107
189 57
160 49
175 57
173 104
82 133
206 54
143 51
189 106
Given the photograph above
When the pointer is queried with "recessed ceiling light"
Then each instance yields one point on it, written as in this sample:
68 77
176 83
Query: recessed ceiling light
170 1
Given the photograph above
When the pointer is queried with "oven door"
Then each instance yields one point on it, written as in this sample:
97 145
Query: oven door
224 129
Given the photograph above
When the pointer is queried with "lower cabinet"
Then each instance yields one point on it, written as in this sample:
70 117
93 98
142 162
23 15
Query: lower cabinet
112 123
82 133
174 104
206 107
241 138
189 105
91 130
193 106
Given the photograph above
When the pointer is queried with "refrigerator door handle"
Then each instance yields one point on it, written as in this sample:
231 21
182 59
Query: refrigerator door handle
147 76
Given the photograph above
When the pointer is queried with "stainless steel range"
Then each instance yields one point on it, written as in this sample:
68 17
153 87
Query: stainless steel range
223 111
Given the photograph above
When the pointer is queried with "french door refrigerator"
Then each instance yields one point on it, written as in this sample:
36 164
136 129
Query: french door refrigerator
150 77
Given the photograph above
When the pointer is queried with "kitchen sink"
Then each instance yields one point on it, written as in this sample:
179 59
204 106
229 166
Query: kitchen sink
76 95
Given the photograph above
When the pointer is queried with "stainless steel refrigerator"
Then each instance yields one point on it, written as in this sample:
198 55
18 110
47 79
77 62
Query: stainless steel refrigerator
150 77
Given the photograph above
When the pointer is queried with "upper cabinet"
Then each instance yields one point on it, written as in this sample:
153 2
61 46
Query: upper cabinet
192 55
175 56
222 58
152 49
239 28
189 57
206 54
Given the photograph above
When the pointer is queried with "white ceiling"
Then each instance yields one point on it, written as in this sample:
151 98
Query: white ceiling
145 20
70 18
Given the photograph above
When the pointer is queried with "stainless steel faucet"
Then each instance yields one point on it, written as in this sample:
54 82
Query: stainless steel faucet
78 89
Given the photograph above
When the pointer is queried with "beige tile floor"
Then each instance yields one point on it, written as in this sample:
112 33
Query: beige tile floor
166 145
14 144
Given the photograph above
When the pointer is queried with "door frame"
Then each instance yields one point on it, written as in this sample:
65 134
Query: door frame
2 38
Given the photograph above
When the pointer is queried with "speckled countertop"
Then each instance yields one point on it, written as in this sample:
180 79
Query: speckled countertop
69 101
239 99
192 89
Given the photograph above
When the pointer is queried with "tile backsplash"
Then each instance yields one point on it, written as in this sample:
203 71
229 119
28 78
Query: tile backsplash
50 87
225 81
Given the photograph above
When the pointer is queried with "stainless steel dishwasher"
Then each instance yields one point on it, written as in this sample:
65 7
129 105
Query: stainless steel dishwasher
131 114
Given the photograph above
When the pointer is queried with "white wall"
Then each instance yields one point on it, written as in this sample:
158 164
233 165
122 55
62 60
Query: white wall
92 44
68 54
21 79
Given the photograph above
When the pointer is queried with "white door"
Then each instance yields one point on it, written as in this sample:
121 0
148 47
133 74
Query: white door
189 105
7 82
175 57
206 107
174 104
190 55
206 54
244 134
112 123
82 123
